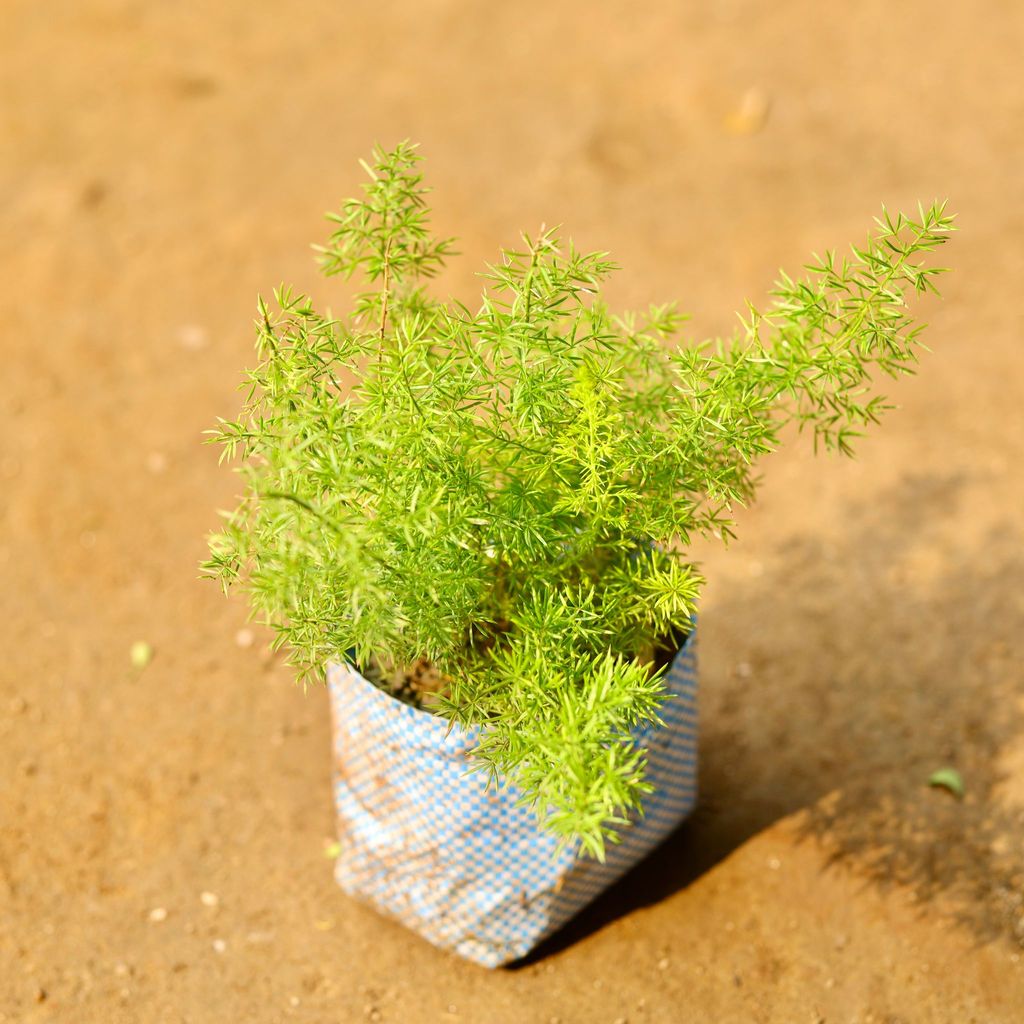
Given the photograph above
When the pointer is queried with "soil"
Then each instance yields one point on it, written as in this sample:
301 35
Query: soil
163 829
418 684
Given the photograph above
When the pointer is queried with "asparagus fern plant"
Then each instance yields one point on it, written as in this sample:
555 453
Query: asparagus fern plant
509 490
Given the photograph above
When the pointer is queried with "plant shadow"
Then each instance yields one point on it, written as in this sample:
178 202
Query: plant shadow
890 656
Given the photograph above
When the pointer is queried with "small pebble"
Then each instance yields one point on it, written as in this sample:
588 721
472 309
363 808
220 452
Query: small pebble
192 337
750 114
663 964
294 1001
774 863
208 899
219 945
744 670
245 638
158 914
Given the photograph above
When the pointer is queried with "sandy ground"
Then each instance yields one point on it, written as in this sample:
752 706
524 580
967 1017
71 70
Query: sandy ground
161 163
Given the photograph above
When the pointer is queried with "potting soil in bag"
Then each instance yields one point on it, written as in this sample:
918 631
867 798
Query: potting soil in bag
427 843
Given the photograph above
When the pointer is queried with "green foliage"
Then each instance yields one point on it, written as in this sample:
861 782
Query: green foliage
509 490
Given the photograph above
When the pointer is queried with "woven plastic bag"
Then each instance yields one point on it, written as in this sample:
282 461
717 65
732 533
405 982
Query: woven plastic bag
426 843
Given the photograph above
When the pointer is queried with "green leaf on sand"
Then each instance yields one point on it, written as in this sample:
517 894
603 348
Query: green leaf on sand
141 654
948 778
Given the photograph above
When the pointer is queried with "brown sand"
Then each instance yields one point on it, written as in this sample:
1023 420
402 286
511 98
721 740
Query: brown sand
161 163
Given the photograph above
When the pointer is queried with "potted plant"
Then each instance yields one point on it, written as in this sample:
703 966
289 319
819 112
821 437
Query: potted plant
477 519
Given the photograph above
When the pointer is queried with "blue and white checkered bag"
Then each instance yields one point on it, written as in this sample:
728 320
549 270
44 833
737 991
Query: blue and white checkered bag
428 844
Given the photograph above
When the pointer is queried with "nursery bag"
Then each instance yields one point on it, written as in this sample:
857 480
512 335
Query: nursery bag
429 844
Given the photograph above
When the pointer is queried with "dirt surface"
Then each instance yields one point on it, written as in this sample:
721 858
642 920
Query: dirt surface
163 830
